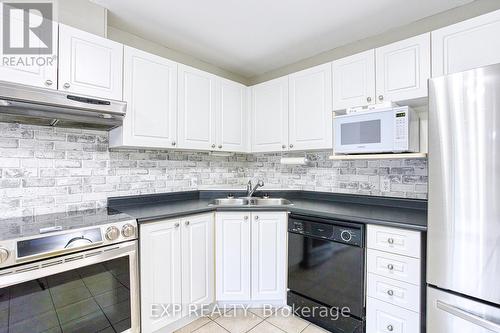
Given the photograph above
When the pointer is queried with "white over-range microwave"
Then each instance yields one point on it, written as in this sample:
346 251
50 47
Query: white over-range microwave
393 130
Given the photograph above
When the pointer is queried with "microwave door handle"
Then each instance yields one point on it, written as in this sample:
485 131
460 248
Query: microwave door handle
470 317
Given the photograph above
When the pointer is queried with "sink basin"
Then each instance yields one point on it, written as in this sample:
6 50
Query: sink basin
270 202
229 202
250 202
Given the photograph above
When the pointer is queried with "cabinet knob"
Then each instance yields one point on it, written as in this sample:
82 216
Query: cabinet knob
390 267
187 223
257 217
177 225
245 218
368 99
220 146
173 143
213 145
48 83
390 240
390 292
390 328
291 145
66 85
380 97
283 146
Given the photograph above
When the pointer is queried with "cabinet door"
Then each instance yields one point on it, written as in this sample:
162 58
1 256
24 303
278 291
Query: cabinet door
232 120
403 69
310 108
196 109
354 80
383 317
198 259
150 90
89 64
269 256
232 256
18 68
160 261
270 116
466 45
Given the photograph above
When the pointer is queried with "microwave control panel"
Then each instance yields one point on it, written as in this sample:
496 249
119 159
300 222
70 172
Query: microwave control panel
401 130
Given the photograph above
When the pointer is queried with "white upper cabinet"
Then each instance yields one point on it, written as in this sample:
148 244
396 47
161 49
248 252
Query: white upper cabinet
198 285
269 115
403 69
231 116
269 230
196 101
232 256
150 90
466 45
310 108
89 64
354 80
44 75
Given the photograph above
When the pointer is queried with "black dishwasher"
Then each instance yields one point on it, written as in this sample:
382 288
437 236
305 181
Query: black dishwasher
326 261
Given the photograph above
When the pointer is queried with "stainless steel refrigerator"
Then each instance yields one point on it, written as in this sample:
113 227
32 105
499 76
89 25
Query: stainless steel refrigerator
463 241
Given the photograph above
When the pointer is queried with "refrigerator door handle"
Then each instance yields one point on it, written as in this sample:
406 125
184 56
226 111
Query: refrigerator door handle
470 317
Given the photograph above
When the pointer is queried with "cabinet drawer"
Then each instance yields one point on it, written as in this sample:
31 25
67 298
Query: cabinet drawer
383 317
394 266
392 291
394 240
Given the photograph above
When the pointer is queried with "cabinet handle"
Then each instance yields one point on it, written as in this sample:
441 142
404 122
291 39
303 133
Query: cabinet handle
390 328
291 145
66 85
245 218
380 97
390 240
220 146
177 225
390 292
187 223
173 143
48 83
213 145
368 99
256 217
283 146
390 267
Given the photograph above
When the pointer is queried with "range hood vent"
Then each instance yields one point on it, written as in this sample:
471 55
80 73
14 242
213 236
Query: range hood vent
39 106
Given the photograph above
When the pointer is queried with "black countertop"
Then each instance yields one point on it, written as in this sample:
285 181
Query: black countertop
395 212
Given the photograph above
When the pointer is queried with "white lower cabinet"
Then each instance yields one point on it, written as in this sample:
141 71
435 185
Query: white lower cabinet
176 265
251 256
394 286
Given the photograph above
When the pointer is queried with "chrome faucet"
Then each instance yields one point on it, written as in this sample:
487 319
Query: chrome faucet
251 190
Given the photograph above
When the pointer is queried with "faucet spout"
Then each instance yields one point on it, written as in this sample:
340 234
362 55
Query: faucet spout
251 190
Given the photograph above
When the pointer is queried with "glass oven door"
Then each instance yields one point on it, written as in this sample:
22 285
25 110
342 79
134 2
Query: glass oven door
91 291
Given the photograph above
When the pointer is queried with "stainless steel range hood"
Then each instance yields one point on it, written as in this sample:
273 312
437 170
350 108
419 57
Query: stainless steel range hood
32 105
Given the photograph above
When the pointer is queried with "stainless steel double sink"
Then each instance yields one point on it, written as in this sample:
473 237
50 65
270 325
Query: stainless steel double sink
250 202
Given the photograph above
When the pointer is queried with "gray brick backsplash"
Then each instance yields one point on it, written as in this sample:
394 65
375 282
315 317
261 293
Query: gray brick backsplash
45 170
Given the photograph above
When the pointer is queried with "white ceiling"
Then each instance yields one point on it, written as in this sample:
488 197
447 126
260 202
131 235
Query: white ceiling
251 37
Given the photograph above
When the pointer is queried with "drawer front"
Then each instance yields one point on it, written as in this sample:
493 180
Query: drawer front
383 317
394 266
392 291
394 240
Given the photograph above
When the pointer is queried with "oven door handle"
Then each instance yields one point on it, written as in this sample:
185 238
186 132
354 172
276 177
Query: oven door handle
74 239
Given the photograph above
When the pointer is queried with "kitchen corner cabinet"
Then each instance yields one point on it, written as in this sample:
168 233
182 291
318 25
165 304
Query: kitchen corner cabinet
269 115
44 76
231 116
89 64
196 109
150 90
250 256
466 45
354 80
403 68
310 108
176 265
